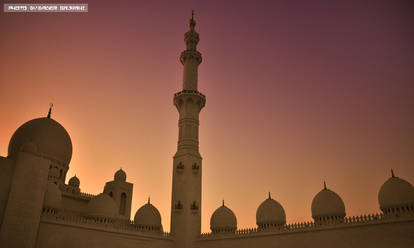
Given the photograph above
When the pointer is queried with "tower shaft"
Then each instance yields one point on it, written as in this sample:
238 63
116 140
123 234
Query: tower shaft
187 168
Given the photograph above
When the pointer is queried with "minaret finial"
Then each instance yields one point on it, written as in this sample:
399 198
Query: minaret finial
270 196
192 22
149 200
392 173
50 110
324 185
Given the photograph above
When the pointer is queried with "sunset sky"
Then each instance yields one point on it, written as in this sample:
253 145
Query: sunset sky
298 92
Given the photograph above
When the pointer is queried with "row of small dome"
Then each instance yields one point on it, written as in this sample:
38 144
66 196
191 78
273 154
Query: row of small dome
395 195
120 175
104 206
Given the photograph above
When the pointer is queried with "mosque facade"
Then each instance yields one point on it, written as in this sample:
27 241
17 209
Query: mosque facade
38 209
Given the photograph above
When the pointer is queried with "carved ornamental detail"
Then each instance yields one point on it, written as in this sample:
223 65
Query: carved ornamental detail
192 55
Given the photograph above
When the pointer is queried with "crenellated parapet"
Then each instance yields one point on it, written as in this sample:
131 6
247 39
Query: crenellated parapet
370 219
75 193
108 223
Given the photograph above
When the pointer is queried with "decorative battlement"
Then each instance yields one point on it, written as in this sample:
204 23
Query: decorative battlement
190 92
113 224
70 192
309 226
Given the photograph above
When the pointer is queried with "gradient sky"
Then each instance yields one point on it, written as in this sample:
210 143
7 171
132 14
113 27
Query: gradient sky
297 92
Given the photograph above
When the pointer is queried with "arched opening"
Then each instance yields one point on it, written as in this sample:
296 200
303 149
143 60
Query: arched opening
122 206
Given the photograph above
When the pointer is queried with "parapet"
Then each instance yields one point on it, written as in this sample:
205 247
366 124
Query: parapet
370 219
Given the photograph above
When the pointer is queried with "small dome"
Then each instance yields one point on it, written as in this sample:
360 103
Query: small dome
74 182
120 175
394 193
148 216
102 205
327 205
53 196
51 139
270 213
223 220
29 147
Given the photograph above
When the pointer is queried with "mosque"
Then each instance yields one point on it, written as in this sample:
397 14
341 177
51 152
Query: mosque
38 209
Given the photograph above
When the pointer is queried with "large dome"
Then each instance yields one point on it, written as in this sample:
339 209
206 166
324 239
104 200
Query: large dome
270 214
223 220
53 196
395 193
50 137
327 205
148 216
102 205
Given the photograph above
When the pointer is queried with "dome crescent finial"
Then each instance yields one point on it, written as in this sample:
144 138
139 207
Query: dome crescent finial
324 185
192 22
270 196
392 173
50 110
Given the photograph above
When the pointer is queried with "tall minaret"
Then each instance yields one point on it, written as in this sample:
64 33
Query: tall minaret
186 185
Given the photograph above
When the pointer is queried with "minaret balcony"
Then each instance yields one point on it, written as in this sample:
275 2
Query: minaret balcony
189 95
191 55
190 92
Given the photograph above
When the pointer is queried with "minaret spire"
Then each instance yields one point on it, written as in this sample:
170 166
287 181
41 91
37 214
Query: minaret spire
50 110
192 22
191 58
